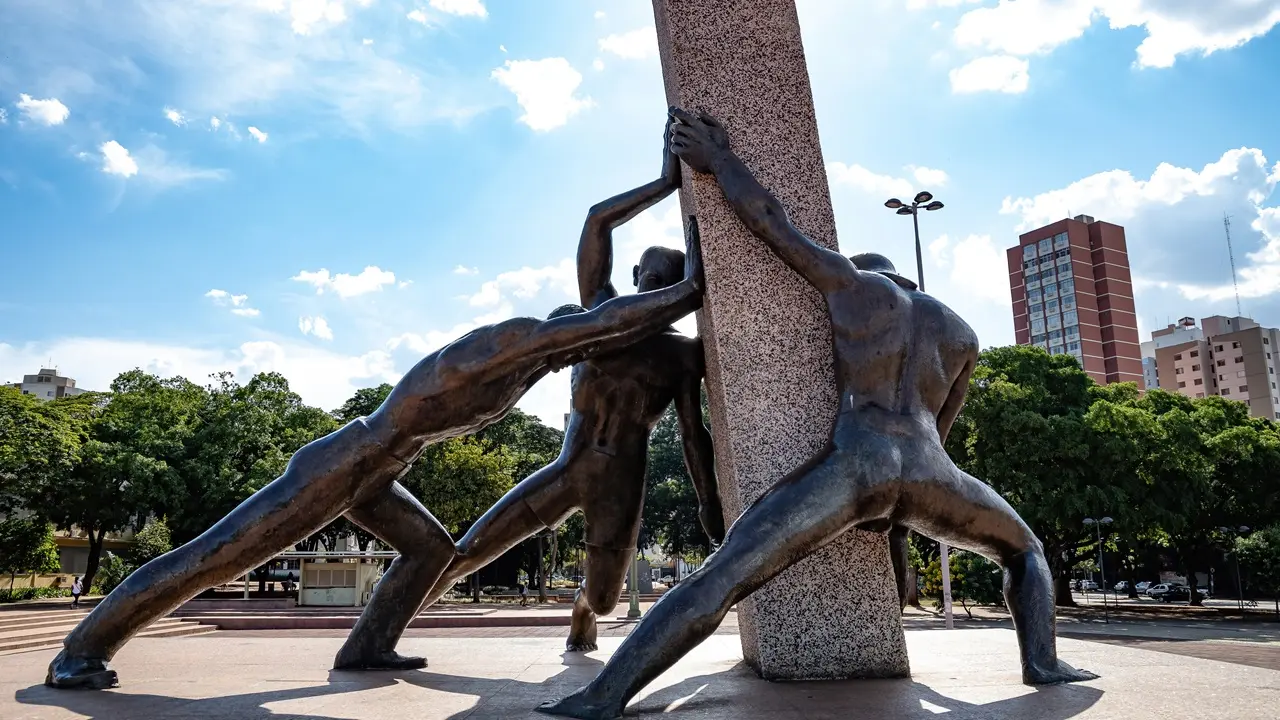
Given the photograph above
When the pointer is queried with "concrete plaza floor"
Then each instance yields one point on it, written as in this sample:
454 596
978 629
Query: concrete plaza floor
959 674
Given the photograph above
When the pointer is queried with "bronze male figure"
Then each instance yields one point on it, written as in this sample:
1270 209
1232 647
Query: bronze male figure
454 391
903 362
618 398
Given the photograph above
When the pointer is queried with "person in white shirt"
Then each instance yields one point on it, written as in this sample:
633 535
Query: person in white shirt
77 588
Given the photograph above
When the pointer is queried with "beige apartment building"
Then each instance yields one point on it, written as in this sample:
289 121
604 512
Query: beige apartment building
1234 358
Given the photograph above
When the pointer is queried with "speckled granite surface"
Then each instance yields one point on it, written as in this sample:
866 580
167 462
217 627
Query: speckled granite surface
770 377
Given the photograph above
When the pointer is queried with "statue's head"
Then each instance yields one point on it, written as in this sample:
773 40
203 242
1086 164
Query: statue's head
877 263
659 267
571 358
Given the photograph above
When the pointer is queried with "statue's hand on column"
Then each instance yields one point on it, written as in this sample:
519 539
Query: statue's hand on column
700 140
670 163
693 271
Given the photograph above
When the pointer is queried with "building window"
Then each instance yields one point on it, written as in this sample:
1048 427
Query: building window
1199 395
1182 385
1266 341
1037 327
1178 356
1067 286
1195 353
49 394
1035 308
1052 306
1226 391
1073 346
1195 367
1235 345
1028 252
1069 302
1035 295
1028 265
1218 348
1055 335
1222 363
1050 290
1071 318
1239 360
1046 245
1199 381
1060 240
1177 371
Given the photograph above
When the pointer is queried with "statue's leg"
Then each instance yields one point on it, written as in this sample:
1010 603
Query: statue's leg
542 500
803 512
606 573
956 508
320 483
899 552
398 519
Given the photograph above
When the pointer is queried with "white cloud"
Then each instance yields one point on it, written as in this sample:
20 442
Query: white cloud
1173 223
417 16
526 283
306 15
175 116
317 326
598 64
634 45
994 73
4 116
1174 27
371 279
116 160
257 134
463 8
464 270
49 111
929 176
239 304
599 15
215 123
366 41
863 179
978 267
322 377
544 89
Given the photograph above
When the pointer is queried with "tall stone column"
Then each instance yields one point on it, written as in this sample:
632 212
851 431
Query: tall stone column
770 373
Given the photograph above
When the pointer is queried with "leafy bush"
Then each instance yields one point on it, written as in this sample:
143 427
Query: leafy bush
151 542
974 581
27 593
112 572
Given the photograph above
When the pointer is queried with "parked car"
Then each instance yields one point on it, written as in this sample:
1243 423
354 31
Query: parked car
1167 592
1088 585
1142 587
1122 586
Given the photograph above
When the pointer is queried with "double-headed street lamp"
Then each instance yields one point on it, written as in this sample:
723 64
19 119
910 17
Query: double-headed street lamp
1102 570
923 201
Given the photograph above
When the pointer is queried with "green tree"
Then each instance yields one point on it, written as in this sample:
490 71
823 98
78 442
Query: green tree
244 438
459 479
362 403
39 447
1260 554
27 545
671 505
151 542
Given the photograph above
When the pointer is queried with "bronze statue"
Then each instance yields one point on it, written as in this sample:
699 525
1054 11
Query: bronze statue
618 398
456 390
903 362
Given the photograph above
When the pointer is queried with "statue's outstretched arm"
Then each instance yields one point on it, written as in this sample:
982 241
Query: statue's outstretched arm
955 400
699 455
595 249
702 142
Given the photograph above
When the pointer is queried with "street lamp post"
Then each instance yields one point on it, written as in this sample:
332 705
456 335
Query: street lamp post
924 199
633 611
1102 570
1243 529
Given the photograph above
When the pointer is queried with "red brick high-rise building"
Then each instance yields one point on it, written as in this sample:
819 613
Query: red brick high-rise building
1072 294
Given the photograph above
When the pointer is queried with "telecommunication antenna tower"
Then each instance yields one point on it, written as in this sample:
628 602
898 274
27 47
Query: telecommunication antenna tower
1226 224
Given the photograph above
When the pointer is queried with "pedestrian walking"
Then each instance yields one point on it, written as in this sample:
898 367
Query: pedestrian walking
524 594
77 589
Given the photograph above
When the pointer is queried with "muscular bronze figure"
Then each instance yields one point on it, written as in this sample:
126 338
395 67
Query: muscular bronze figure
618 398
903 362
456 390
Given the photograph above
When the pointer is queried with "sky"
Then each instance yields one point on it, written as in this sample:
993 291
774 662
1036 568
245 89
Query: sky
333 188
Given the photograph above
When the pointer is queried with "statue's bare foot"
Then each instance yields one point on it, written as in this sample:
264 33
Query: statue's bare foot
578 705
70 671
377 661
1059 672
582 633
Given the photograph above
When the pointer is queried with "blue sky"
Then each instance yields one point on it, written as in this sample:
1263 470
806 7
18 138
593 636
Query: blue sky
332 188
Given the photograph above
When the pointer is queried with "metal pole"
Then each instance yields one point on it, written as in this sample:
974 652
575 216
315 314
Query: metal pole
1239 585
1102 572
633 612
945 552
915 220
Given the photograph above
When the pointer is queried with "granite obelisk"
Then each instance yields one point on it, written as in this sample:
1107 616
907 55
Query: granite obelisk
770 365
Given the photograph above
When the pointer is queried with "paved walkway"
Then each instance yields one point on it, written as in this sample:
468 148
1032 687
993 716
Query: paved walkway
968 675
